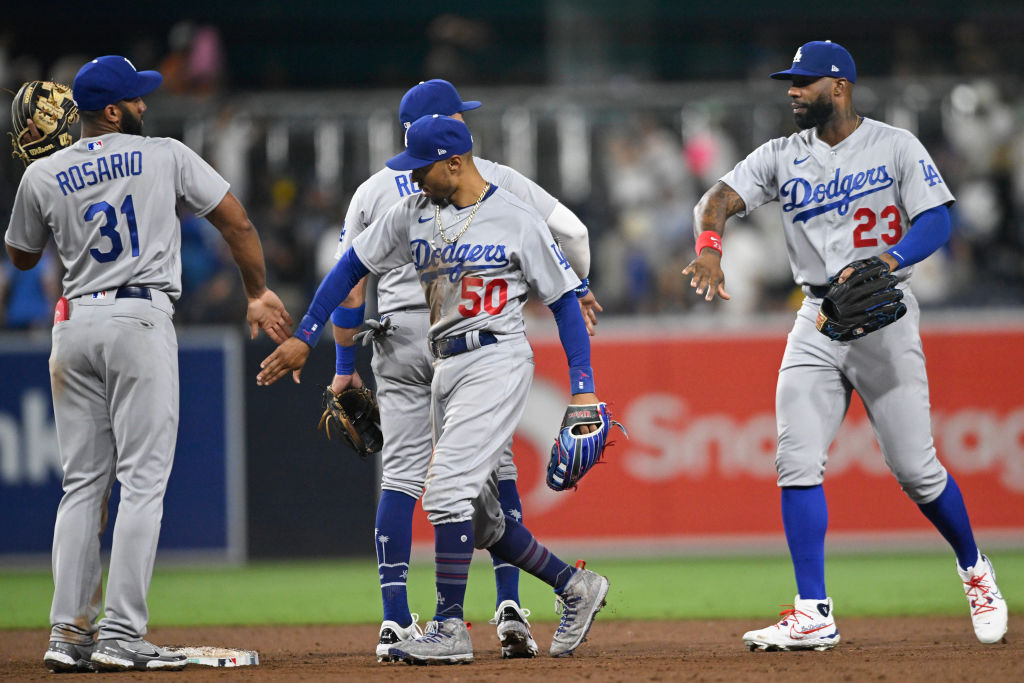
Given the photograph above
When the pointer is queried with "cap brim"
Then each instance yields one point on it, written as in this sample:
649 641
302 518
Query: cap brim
472 104
147 82
407 162
788 74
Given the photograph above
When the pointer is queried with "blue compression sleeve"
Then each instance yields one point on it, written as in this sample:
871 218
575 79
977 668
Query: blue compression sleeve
345 274
572 331
929 231
348 317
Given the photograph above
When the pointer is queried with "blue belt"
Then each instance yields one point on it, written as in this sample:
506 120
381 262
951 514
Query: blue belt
453 346
131 292
818 291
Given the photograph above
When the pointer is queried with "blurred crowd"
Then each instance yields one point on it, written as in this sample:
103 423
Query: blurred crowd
646 167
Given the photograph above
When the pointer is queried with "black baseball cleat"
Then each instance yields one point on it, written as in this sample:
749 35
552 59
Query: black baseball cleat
64 658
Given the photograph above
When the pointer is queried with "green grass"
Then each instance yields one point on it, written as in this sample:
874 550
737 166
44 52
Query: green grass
672 588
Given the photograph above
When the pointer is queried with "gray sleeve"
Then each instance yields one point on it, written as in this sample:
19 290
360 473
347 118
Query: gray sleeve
548 275
384 245
921 186
755 179
27 230
196 183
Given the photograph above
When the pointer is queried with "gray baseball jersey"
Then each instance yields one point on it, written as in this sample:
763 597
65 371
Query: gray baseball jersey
108 203
400 288
479 282
842 203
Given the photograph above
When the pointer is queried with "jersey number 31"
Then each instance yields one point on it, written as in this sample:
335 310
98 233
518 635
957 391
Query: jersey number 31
109 229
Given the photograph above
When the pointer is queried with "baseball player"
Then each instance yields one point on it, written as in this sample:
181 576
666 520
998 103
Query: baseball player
849 188
476 250
109 202
404 367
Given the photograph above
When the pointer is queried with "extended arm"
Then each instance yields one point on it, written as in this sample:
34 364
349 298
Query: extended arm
292 353
709 216
347 319
573 334
265 308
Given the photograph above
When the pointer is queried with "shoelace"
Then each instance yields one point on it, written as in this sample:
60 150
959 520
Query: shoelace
415 626
978 591
793 613
567 607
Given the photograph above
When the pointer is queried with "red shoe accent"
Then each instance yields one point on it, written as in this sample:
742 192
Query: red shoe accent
581 564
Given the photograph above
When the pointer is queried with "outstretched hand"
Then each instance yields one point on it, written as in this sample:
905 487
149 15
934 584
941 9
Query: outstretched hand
290 355
268 313
707 276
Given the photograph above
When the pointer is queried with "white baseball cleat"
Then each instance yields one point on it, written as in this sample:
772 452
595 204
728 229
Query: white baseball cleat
988 609
809 625
393 634
514 631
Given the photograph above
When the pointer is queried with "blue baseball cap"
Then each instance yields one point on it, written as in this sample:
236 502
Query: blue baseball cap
820 58
110 79
429 139
435 96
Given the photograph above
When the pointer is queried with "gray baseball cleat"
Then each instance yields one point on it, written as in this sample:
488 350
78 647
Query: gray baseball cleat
62 658
514 631
581 600
114 654
443 642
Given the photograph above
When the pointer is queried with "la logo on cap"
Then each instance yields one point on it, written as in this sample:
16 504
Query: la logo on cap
441 152
797 57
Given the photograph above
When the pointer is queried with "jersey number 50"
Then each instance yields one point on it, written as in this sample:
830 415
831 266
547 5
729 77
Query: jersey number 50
492 298
866 221
109 229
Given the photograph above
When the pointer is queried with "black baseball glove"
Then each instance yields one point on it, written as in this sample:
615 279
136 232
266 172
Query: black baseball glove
50 107
866 301
353 415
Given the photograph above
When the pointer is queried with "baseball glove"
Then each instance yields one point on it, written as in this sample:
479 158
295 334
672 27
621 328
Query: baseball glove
574 454
866 301
353 414
51 108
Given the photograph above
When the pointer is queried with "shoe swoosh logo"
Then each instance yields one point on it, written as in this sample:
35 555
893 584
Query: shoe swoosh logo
424 220
800 161
797 635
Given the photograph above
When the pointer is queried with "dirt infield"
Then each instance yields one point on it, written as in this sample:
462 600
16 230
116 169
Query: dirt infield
899 649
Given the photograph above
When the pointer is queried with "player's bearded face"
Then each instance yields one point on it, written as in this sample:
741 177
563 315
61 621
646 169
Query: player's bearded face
131 123
814 112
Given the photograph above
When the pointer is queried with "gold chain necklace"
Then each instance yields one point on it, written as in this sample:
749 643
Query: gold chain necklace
476 207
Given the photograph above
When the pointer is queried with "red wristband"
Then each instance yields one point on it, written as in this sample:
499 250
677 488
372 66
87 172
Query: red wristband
709 238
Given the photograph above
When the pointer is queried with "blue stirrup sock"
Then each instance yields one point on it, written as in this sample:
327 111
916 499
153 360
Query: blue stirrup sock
949 515
506 576
393 541
805 519
453 551
518 547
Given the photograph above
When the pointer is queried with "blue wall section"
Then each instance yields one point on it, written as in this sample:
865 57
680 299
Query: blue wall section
198 514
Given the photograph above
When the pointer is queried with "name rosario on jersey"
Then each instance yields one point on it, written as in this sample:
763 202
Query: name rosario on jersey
842 189
117 165
457 257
